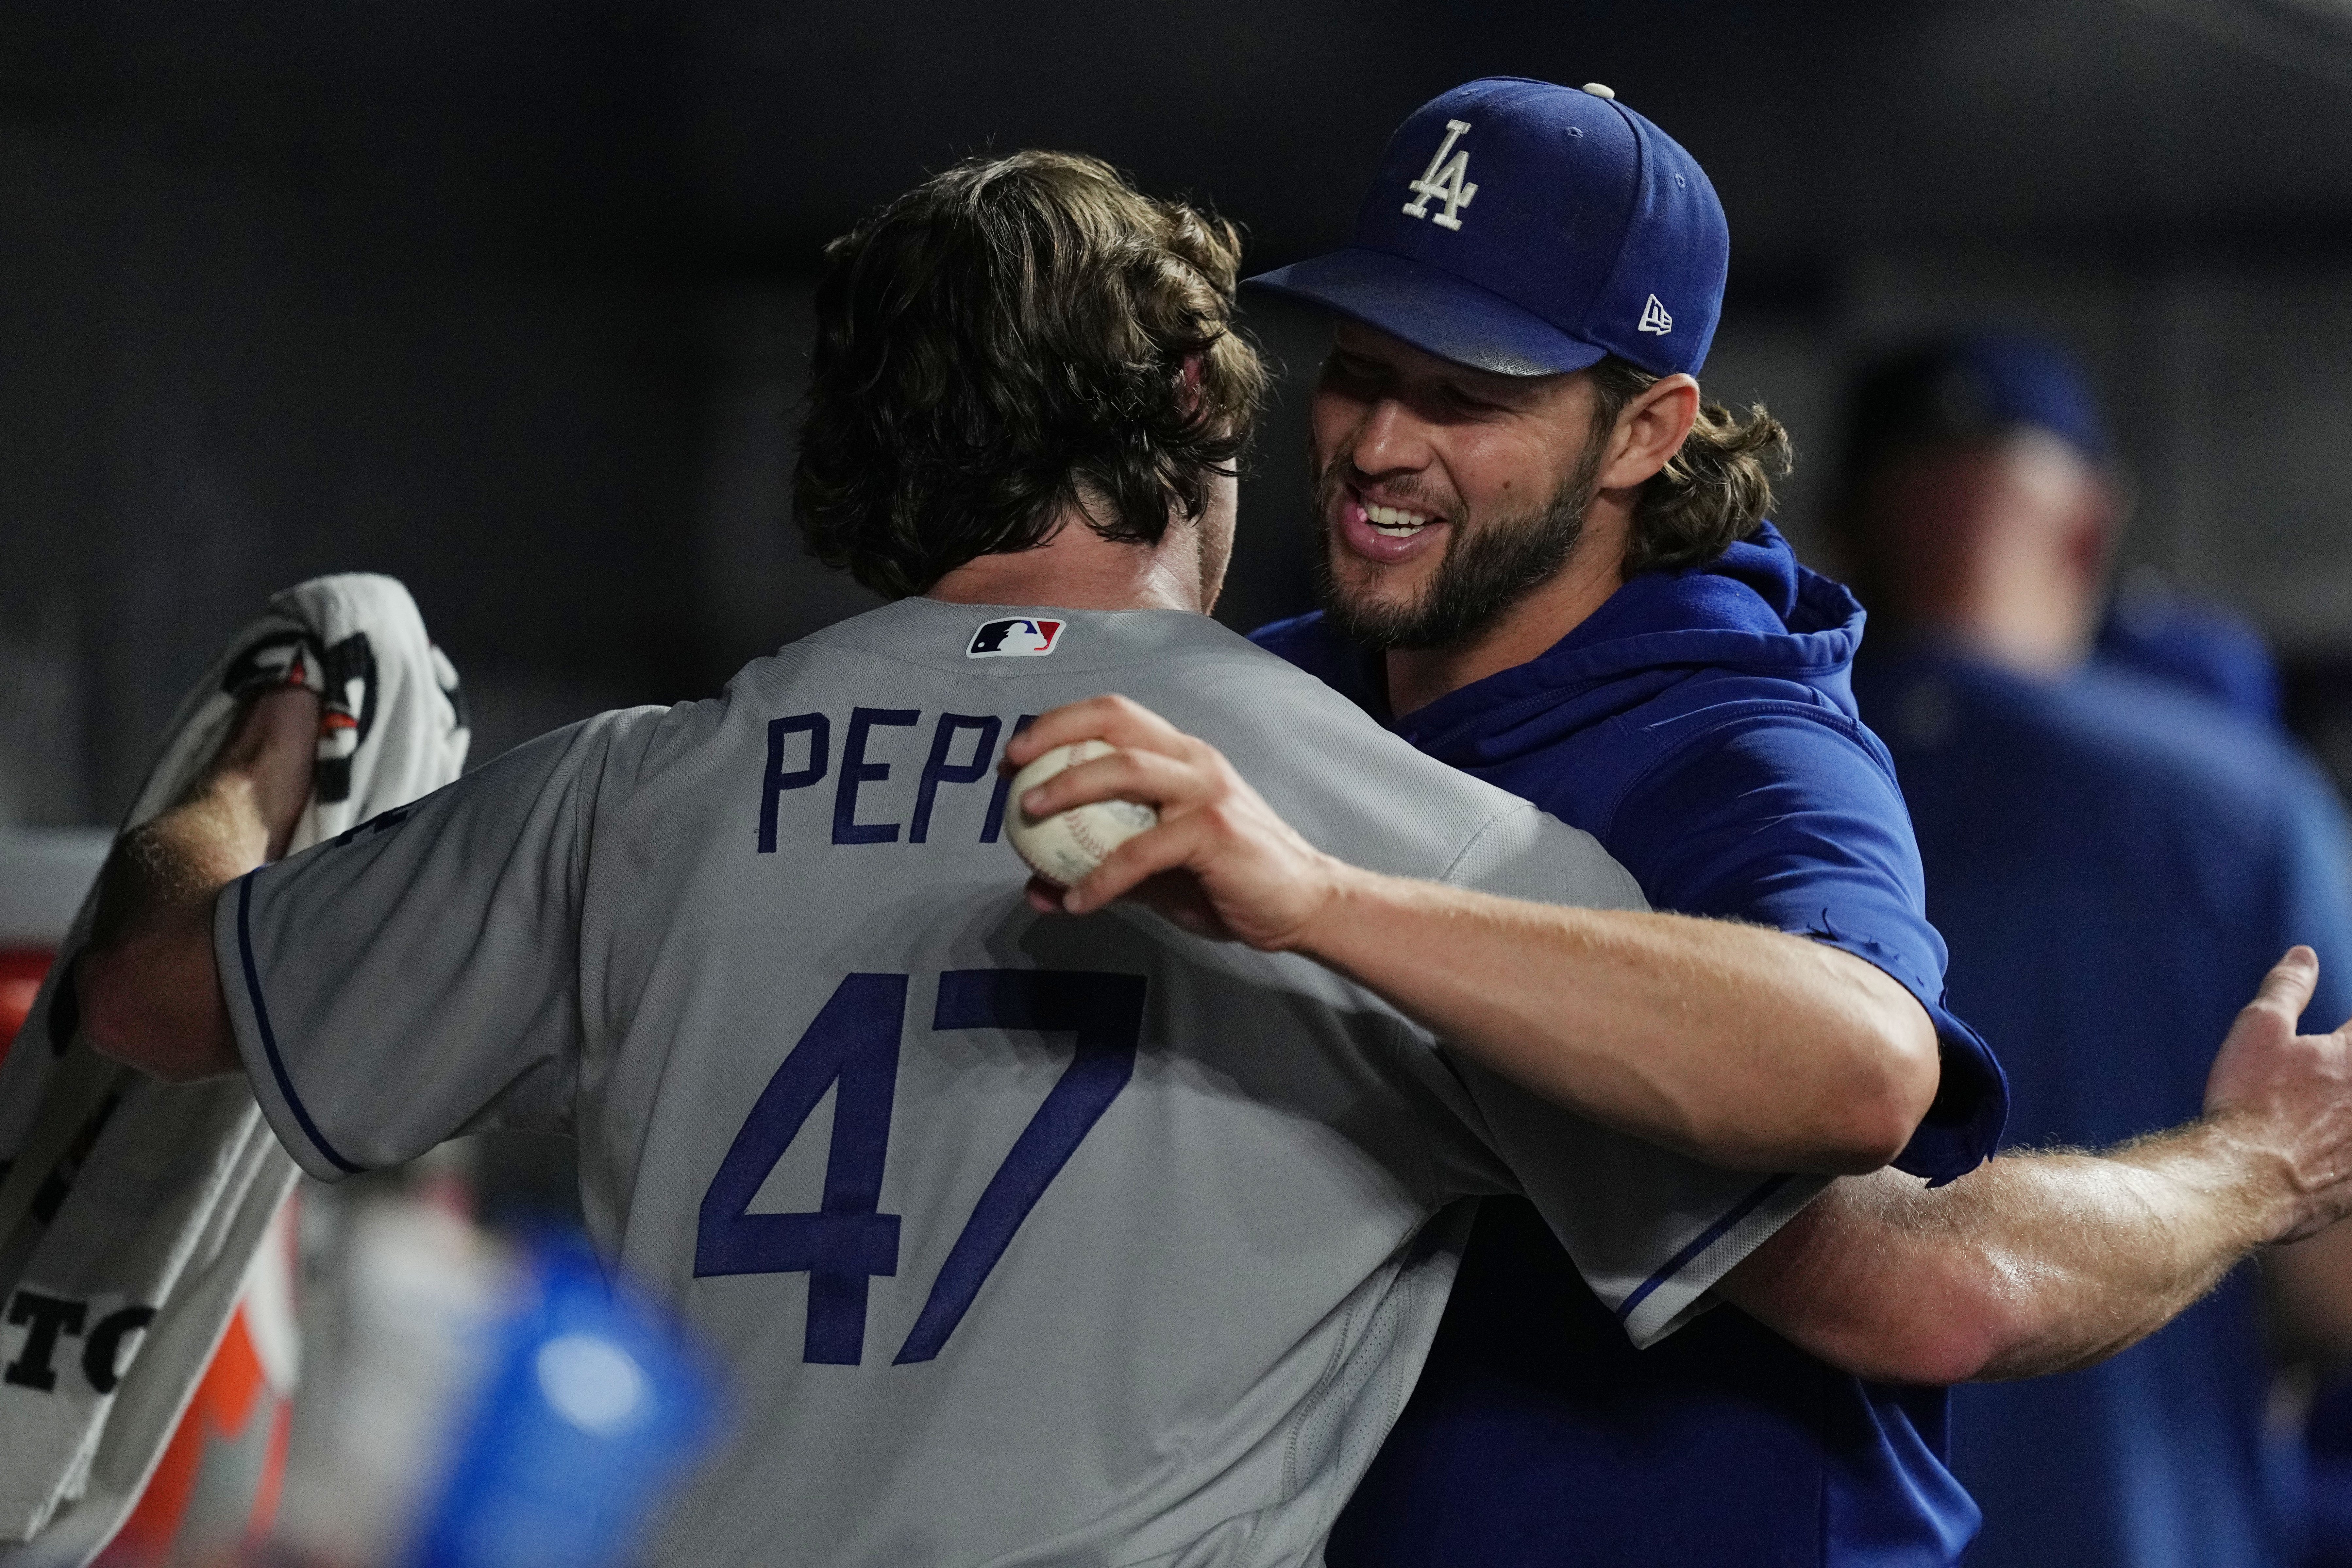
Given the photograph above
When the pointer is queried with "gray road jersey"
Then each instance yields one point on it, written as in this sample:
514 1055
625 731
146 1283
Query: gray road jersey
1024 1240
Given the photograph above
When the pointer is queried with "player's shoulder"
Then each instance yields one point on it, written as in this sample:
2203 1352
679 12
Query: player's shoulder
2157 721
1724 747
1364 792
2189 752
996 643
606 757
2138 735
2157 764
1712 706
585 746
1345 782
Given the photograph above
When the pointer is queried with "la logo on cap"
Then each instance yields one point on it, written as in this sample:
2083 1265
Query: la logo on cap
1442 180
1018 637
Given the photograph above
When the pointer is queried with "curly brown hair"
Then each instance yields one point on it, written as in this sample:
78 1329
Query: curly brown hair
1712 493
1012 338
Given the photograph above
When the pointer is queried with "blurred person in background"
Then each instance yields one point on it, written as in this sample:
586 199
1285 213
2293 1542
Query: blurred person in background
2113 854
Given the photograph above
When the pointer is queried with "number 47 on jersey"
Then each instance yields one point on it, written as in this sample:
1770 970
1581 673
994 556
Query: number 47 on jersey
853 1043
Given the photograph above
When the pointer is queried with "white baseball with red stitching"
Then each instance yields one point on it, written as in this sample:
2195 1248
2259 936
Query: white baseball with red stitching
1063 847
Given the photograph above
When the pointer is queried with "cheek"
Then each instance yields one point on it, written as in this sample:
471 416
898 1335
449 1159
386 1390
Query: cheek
1501 474
1330 422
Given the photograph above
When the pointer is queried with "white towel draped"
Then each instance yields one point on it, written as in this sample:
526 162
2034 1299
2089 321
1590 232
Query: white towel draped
130 1209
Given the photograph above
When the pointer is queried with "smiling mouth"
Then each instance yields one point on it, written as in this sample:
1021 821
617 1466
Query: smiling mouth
1383 534
1396 521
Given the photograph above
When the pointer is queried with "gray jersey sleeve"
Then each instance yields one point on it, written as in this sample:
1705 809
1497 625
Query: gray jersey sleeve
418 977
1649 1230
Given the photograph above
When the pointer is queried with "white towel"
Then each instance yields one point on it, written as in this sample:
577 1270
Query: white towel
130 1209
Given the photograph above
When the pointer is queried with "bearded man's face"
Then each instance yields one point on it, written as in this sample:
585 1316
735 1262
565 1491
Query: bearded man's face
1445 494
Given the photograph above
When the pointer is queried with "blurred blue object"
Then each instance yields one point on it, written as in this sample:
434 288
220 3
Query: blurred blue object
2327 1478
590 1407
2194 643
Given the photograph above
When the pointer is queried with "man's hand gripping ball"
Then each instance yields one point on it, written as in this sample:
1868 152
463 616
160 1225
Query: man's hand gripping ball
1218 862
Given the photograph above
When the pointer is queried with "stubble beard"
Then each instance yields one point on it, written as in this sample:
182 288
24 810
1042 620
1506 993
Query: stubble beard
1487 569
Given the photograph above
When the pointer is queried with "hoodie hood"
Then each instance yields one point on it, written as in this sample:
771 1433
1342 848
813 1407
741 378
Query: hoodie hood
1754 615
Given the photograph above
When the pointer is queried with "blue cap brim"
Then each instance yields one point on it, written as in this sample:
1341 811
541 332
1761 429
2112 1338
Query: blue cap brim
1434 310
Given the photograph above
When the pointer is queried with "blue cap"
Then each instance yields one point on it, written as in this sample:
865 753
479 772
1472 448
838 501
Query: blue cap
1972 386
1527 229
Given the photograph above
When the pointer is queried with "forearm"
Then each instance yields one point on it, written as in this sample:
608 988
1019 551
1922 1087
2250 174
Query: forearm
1742 1046
2030 1265
1746 1047
2040 1263
150 989
2096 1254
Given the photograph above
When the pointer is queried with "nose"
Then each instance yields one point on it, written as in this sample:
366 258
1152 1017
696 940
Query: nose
1390 441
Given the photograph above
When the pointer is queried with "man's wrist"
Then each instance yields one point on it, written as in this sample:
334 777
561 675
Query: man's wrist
2225 1157
2285 1200
1338 920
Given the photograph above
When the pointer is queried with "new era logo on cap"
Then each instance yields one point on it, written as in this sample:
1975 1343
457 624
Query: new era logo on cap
1655 319
1021 636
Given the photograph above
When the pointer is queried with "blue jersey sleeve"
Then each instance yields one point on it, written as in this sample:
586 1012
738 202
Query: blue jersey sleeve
1790 818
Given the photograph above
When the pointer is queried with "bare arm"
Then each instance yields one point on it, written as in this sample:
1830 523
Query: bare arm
2042 1263
150 993
1744 1047
1738 1045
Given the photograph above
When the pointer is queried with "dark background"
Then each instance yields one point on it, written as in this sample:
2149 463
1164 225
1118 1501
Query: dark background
506 297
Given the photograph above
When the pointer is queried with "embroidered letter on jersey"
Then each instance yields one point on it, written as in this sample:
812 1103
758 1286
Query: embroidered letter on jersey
1021 637
1443 181
1654 318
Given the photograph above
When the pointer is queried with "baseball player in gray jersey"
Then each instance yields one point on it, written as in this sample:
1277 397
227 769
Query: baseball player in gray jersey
1023 1238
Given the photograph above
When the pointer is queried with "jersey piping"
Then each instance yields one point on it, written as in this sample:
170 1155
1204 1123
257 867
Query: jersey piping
269 1036
1700 1243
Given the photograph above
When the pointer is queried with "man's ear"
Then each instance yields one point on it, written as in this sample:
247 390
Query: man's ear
1187 379
1649 432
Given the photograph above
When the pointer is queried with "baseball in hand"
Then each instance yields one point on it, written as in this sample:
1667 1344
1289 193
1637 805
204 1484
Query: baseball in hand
1063 847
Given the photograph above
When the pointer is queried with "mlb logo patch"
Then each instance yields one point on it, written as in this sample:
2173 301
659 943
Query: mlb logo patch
1019 637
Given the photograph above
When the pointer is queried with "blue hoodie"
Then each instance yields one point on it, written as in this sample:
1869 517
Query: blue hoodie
1701 725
